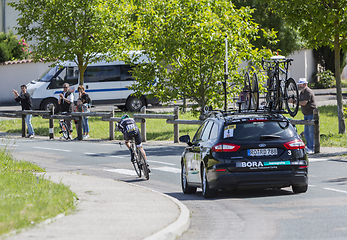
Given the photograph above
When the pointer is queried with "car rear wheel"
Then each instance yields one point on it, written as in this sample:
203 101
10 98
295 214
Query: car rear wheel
185 187
299 189
206 191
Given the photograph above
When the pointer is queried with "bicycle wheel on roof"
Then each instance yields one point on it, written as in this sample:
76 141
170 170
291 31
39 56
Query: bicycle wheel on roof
254 93
291 97
246 93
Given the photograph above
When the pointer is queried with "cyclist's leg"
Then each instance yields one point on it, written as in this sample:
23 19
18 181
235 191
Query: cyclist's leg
127 139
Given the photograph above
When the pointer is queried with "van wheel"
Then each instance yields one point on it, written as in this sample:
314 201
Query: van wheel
134 104
46 103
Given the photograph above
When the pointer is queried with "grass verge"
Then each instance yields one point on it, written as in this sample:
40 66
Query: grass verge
27 199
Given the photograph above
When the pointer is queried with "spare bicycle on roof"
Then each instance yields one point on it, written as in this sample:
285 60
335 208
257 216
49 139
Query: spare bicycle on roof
281 90
281 93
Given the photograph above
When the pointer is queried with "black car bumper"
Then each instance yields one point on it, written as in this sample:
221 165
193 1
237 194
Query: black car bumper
276 179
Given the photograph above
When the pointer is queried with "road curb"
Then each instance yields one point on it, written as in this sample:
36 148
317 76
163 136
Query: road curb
175 229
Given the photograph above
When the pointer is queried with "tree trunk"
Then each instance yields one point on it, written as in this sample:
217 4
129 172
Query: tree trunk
81 68
341 119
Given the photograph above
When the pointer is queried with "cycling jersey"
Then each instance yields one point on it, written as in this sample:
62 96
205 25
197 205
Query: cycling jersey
130 130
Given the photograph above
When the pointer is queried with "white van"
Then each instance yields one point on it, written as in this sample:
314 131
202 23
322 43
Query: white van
105 82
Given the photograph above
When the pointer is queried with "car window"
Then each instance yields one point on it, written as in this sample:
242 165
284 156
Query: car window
206 133
215 131
198 133
254 130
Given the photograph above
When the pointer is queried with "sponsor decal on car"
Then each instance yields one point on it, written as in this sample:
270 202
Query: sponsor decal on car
258 165
229 131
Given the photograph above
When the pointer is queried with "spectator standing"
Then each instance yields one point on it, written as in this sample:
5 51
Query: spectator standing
86 101
65 102
25 100
308 104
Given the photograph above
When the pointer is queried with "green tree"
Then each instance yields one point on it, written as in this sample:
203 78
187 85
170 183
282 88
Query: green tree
321 23
185 41
288 36
84 31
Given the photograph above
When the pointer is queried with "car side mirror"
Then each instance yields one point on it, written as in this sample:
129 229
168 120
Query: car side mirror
185 139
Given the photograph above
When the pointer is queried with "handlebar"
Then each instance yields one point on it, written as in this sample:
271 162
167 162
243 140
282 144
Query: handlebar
276 62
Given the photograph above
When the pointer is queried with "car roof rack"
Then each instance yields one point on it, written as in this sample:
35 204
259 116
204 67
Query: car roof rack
208 112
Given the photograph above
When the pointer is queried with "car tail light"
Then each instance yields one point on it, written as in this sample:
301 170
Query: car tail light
295 144
259 120
225 147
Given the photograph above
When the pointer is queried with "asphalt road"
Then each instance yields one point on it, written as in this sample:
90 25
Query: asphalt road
253 214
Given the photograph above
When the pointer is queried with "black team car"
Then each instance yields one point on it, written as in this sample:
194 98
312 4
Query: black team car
258 150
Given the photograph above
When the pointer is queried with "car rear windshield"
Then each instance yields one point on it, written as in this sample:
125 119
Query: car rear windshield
259 130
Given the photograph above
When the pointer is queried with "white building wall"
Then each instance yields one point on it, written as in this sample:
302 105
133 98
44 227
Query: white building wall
303 66
14 75
8 16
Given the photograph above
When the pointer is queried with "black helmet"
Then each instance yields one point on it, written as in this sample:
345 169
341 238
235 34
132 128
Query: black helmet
125 116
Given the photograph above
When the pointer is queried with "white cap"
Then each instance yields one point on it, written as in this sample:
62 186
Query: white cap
302 81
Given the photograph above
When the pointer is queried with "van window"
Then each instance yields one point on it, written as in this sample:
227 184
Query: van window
102 74
126 73
47 75
67 75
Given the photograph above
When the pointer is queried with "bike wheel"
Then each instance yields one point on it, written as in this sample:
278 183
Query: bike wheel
291 97
270 96
143 164
254 93
136 162
246 93
64 130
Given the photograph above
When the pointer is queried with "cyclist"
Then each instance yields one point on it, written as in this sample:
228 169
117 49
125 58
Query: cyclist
130 130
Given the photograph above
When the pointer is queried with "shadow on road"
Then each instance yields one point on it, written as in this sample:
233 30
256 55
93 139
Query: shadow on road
232 194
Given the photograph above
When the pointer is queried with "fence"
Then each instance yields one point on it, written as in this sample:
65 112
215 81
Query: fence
141 118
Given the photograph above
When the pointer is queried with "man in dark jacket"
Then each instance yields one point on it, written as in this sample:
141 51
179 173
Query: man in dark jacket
308 104
25 100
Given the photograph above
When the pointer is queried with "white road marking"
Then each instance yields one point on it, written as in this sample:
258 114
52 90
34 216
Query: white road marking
114 156
122 171
168 169
54 149
318 159
335 190
8 145
171 164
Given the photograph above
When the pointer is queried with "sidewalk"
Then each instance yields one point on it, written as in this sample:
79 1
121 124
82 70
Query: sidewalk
109 209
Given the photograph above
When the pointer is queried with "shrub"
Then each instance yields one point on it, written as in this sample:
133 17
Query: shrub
11 48
326 79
